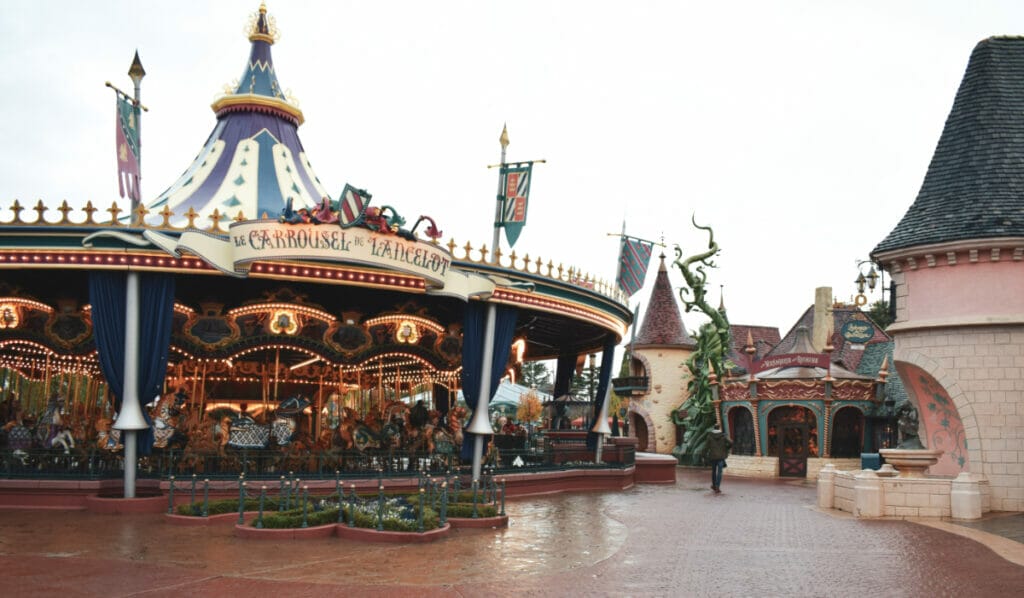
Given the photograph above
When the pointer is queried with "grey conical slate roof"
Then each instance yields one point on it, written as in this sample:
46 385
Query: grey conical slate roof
974 187
663 324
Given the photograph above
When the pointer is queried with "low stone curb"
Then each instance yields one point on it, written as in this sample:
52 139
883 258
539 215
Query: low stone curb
371 535
291 533
119 506
479 522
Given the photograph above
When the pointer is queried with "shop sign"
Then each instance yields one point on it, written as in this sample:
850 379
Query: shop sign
857 331
793 360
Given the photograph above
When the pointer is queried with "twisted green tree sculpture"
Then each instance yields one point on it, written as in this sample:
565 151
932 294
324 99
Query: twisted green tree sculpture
712 348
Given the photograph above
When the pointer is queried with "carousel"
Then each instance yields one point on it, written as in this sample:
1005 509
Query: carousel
245 320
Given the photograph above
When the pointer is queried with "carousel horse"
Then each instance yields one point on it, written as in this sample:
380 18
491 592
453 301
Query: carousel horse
204 439
50 423
63 439
107 438
419 430
165 420
373 434
285 425
456 415
345 434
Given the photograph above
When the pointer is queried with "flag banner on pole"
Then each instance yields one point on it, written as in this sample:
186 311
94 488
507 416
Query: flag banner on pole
127 148
516 192
634 256
352 205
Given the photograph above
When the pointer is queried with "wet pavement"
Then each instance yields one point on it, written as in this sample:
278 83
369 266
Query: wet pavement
759 537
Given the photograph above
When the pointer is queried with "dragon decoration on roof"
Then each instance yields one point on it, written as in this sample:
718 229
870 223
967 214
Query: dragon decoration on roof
385 219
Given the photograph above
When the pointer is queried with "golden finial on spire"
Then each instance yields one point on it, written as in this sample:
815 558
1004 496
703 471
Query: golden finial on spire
883 372
504 136
262 27
750 348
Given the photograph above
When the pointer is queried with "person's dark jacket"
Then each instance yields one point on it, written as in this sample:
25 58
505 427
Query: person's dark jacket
717 447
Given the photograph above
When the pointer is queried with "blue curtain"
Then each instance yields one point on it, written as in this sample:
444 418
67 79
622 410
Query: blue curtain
473 325
565 367
607 363
156 311
106 295
442 399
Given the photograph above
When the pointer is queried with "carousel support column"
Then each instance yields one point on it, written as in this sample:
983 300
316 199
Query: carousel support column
481 424
600 428
130 418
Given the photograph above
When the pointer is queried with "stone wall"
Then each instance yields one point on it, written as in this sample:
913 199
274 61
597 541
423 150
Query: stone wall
668 379
748 466
980 368
866 494
814 466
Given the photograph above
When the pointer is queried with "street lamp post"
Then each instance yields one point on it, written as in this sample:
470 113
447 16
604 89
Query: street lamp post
868 282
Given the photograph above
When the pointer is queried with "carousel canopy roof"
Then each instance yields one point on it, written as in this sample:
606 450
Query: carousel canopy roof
972 187
350 285
253 162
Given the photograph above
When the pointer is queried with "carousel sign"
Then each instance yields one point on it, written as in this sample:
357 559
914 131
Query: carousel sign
791 360
259 240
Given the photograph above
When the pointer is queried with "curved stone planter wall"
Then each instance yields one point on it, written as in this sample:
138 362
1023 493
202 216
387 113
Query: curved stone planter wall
479 522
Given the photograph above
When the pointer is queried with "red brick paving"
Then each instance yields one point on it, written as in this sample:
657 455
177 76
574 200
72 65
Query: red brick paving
758 538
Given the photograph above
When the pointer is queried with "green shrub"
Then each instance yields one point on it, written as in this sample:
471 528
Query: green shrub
293 519
465 511
226 505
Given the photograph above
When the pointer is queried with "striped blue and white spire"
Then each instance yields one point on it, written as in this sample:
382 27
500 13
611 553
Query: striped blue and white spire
253 161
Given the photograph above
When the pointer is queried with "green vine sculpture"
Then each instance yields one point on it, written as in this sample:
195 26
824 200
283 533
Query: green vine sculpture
710 355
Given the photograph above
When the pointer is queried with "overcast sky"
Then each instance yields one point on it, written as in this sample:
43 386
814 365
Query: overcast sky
800 131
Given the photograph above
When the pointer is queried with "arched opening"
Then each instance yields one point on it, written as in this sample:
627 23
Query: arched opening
741 429
847 433
792 437
639 426
940 424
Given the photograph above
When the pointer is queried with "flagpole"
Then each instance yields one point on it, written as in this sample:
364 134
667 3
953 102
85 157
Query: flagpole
498 200
618 266
481 420
136 72
130 400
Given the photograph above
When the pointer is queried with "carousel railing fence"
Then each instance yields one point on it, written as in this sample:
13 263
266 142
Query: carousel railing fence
94 463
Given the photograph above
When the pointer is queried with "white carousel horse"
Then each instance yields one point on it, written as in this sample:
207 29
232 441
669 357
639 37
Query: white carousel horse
64 439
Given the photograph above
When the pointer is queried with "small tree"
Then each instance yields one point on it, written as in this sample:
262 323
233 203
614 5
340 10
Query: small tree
880 314
536 374
530 407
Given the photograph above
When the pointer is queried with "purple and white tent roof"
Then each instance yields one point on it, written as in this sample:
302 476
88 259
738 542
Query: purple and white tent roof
253 161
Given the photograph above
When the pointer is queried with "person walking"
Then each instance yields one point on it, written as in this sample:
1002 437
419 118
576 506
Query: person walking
715 452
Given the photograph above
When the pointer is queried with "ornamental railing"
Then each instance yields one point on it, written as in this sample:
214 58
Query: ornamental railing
317 465
166 220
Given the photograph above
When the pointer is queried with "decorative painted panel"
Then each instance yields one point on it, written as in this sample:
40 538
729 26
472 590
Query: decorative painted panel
940 422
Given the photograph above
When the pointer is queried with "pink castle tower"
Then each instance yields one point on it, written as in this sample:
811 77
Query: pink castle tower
956 264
